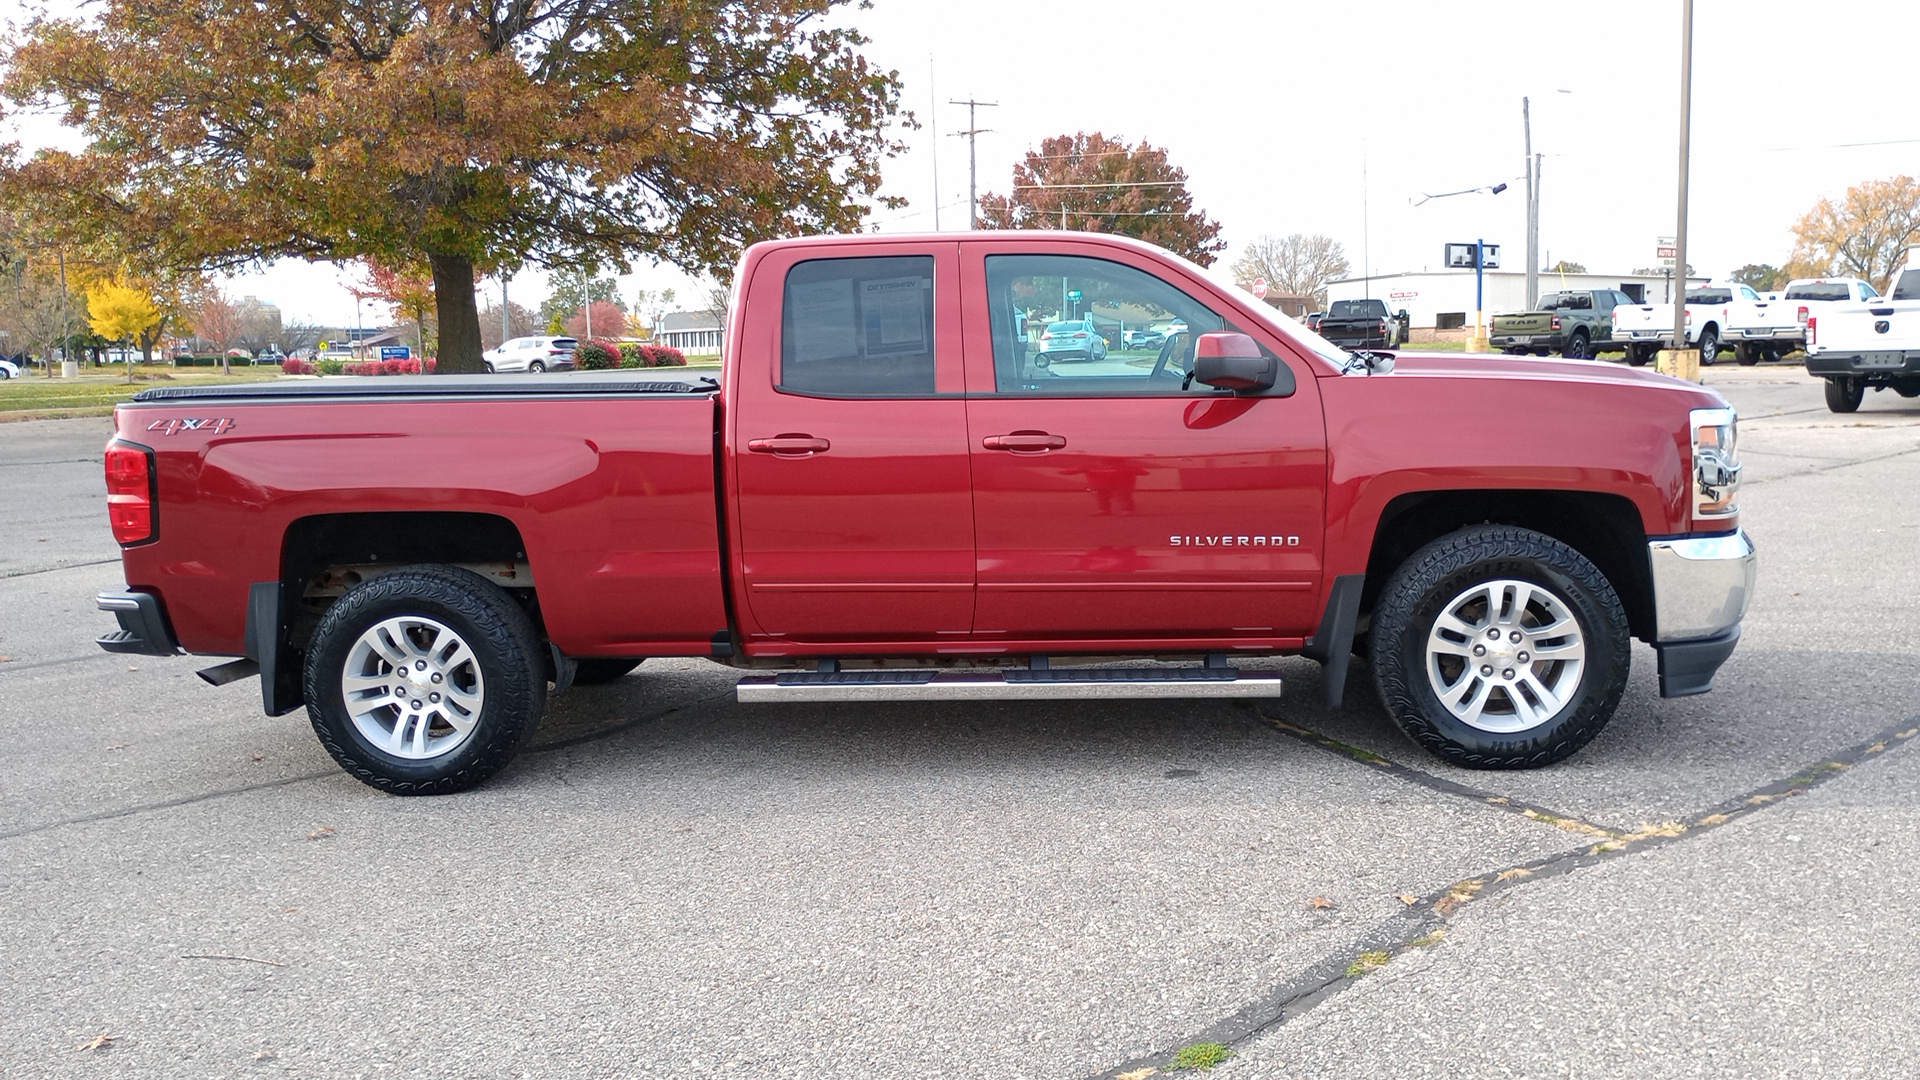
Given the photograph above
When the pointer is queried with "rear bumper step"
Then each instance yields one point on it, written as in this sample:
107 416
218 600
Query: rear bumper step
1014 683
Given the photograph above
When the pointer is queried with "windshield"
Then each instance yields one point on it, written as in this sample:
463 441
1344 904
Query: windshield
1066 327
1566 302
1908 287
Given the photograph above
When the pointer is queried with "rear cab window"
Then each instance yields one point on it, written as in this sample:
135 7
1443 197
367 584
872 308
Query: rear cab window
859 327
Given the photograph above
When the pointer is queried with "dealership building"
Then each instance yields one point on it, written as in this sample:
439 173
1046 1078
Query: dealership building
1439 304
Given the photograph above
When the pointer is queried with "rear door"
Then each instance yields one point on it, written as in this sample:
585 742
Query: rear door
848 447
1112 500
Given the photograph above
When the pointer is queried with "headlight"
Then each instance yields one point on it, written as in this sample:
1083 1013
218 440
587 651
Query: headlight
1716 463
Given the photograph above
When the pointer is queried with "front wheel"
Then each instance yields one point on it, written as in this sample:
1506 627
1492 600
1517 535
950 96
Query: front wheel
537 367
1709 346
424 681
1497 647
1844 393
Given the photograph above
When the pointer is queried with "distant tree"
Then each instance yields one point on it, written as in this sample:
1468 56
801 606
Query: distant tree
260 326
411 292
1094 183
122 314
572 290
1565 267
608 320
1296 263
38 312
648 306
221 322
520 323
1761 277
1864 237
299 335
718 299
452 134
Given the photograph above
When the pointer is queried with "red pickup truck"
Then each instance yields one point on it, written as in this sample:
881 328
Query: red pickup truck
888 495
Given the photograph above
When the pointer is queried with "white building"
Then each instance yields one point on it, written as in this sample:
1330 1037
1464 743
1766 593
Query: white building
1439 303
691 331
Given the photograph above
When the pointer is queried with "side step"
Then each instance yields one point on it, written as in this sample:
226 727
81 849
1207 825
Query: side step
1033 684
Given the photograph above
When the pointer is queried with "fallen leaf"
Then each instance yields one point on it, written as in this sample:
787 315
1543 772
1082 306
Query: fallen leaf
1409 899
321 833
99 1042
1138 1074
259 757
5 659
1516 872
1713 819
1319 903
264 1055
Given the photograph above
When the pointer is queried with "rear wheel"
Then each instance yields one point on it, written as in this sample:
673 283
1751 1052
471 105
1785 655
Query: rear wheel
424 681
1499 648
1577 348
1747 355
1638 355
1844 393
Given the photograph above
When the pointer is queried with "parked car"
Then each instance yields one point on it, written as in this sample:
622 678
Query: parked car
1142 339
1313 320
838 521
9 370
1717 314
1872 345
1077 339
532 354
1576 323
1364 324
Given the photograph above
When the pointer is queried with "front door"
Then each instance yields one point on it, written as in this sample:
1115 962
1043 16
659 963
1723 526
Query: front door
1113 499
848 444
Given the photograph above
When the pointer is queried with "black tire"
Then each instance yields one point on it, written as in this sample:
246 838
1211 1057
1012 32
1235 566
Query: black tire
1844 393
506 655
1747 355
1576 347
1709 346
593 672
536 367
1639 355
1432 581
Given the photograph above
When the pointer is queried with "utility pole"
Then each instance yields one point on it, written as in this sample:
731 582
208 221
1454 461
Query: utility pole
973 129
1682 361
503 307
1533 209
933 121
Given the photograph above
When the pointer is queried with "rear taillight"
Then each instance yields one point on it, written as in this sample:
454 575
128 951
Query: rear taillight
130 492
1813 330
1556 322
1803 315
1686 317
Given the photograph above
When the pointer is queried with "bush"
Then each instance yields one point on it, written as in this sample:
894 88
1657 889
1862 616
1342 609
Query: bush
375 367
637 354
633 355
330 367
294 366
667 356
597 356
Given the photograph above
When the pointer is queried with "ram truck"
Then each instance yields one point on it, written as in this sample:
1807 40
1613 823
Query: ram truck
1644 329
1364 324
1576 323
887 497
1870 345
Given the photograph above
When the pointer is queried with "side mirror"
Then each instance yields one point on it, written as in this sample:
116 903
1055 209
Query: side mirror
1234 362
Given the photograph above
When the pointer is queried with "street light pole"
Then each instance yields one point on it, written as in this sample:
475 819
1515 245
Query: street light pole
1533 217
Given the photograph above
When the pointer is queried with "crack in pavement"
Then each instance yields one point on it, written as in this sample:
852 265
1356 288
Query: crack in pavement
11 574
1423 924
1830 468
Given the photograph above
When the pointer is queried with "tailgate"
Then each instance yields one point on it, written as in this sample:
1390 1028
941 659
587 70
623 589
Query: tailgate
1530 322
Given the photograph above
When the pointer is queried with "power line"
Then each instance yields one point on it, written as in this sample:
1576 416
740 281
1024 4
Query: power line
1137 183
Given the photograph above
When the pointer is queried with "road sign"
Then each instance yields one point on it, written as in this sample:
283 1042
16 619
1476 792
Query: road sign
1260 288
396 352
1074 296
1460 256
1666 252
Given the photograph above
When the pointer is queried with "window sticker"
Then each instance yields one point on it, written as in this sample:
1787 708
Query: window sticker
895 317
822 320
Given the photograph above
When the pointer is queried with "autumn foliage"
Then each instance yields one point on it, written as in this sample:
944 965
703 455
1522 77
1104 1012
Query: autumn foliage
1096 183
1864 236
451 136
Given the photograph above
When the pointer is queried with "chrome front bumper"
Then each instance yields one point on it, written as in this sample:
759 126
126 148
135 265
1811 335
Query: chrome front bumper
1701 584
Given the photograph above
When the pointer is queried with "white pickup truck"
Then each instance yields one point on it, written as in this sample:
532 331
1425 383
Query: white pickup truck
1647 328
1777 324
1871 345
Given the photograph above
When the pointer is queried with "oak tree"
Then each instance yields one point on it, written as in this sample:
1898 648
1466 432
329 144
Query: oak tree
221 322
1760 277
452 135
1864 236
1097 183
1296 264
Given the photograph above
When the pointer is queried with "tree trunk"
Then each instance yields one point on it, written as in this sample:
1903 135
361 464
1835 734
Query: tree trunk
459 346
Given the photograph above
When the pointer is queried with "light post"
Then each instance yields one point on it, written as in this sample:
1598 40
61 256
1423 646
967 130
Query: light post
1479 341
1681 361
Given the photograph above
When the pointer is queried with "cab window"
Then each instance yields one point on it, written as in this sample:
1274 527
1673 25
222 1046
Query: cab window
860 327
1072 325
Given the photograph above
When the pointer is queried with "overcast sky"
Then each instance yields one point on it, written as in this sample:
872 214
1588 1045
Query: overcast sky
1330 117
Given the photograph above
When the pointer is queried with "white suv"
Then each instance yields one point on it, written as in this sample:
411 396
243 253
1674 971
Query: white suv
535 354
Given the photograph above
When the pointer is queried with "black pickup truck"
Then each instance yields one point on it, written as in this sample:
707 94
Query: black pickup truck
1364 324
1576 324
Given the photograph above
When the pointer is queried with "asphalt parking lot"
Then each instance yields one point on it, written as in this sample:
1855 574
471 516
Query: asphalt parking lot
674 885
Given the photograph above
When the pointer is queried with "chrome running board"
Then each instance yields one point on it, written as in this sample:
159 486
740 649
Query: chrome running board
1032 684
